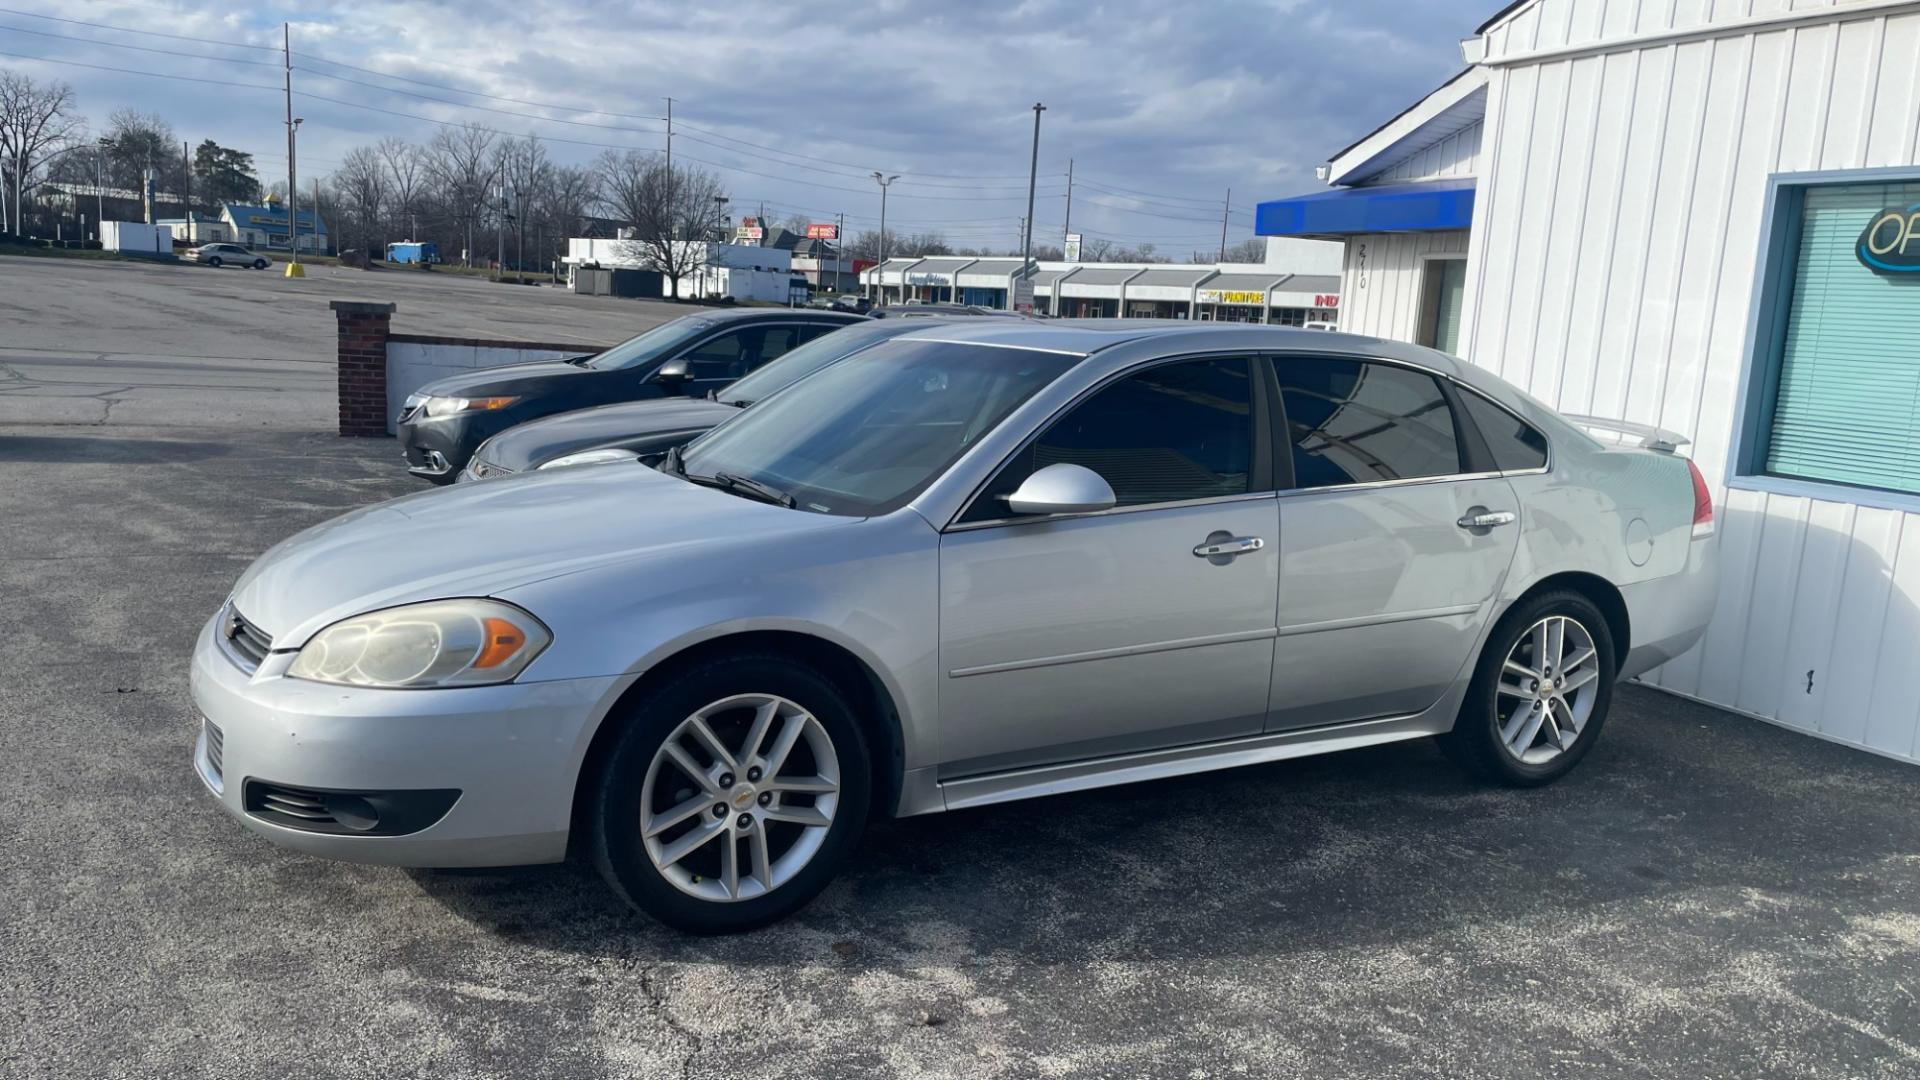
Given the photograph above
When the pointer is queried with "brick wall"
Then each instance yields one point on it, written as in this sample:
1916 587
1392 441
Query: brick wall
363 330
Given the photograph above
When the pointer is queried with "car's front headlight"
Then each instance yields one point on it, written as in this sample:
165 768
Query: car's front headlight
447 406
439 643
589 457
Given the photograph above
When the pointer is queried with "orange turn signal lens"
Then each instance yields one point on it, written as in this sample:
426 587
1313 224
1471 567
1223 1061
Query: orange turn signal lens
488 404
503 640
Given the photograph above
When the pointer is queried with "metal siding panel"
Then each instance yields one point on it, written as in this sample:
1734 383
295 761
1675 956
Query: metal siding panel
1724 651
1864 593
1890 138
1633 218
1849 105
1601 200
1804 676
1770 613
1893 717
1550 279
1513 158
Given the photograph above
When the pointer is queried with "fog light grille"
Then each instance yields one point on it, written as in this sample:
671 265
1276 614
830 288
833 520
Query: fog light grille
216 747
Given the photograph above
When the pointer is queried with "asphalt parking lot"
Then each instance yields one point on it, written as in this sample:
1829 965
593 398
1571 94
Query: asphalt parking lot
90 342
1706 897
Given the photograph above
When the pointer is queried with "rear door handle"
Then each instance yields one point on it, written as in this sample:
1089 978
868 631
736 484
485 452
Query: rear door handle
1229 546
1482 518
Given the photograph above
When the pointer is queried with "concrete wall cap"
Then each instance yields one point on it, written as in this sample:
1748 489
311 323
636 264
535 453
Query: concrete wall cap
361 307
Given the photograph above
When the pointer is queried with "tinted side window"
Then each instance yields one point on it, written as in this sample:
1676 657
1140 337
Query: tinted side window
777 340
1515 444
1351 421
724 357
1174 432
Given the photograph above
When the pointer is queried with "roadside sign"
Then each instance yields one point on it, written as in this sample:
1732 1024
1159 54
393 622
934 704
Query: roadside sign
1023 293
823 232
1073 247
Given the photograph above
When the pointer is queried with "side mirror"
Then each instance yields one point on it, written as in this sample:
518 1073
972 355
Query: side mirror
673 373
1062 489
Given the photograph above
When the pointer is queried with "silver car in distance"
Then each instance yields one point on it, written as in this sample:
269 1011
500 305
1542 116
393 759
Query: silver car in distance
976 563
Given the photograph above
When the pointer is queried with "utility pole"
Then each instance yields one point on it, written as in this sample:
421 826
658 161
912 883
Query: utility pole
293 190
500 232
1225 209
1033 177
670 172
1067 229
186 189
520 234
878 267
839 245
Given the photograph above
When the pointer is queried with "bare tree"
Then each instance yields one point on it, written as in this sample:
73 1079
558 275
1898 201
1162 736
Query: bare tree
406 174
524 173
571 195
670 211
36 122
138 141
461 164
360 194
1093 249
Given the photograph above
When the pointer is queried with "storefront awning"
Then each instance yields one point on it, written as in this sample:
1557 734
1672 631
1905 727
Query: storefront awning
1430 206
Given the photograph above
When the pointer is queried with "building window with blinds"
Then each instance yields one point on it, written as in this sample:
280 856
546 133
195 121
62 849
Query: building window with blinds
1838 356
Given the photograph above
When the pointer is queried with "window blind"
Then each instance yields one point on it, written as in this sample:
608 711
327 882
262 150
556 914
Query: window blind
1847 407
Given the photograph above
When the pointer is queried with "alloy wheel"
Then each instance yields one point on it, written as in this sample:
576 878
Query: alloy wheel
740 797
1546 690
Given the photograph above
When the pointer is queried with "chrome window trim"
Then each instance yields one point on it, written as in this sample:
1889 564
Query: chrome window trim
1408 481
1030 519
954 524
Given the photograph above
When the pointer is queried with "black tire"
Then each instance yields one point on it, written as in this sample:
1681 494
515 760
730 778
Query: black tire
214 262
614 839
259 264
1475 740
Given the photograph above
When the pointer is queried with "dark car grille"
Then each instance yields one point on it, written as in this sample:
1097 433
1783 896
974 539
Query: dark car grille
216 747
249 641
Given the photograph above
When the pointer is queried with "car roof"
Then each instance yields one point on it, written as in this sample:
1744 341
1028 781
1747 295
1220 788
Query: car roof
734 315
1085 337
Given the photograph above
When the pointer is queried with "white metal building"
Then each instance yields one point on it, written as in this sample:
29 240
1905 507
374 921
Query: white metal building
1705 216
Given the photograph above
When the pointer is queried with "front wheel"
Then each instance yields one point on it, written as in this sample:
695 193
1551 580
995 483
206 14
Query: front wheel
1540 692
214 262
733 795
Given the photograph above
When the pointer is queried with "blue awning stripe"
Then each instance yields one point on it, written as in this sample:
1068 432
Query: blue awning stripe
1431 206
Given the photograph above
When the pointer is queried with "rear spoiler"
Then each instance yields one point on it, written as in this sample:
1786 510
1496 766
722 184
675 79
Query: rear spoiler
1651 438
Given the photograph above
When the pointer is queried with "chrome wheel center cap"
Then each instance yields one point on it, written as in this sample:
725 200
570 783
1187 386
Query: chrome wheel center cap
743 797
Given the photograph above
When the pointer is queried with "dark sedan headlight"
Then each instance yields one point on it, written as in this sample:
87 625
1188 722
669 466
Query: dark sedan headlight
434 407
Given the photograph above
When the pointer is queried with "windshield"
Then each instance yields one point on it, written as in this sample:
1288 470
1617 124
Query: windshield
655 344
866 435
786 370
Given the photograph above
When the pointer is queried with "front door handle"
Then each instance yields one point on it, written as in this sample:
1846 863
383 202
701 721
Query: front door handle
1218 546
1482 518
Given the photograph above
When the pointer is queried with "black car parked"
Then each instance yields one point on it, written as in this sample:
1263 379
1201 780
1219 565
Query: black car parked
444 421
643 429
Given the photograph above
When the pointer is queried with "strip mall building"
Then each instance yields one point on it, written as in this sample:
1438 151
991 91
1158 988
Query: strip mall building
1703 216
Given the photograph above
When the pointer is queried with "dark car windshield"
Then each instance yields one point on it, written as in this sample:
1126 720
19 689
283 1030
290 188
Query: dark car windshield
655 344
865 435
807 359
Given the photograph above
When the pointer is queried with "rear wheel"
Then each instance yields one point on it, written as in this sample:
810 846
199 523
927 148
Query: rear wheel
733 796
1540 692
259 264
214 262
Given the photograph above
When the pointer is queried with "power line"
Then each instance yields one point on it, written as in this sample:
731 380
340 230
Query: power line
481 108
474 93
148 33
140 48
134 71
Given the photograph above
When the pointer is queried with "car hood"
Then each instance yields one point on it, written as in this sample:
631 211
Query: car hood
483 539
526 446
509 379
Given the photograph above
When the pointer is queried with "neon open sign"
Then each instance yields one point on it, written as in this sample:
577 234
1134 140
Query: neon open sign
1890 244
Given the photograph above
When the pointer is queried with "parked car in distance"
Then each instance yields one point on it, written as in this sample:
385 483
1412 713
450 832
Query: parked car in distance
218 255
986 561
849 302
919 310
645 429
442 422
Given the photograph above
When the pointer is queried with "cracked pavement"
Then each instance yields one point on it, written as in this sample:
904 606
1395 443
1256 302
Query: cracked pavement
1707 896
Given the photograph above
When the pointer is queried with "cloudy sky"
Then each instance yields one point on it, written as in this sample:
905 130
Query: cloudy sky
1161 106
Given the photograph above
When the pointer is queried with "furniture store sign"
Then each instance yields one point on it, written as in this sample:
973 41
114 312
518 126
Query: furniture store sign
1232 296
1890 244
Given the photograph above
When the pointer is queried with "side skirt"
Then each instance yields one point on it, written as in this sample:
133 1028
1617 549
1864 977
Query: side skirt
1181 761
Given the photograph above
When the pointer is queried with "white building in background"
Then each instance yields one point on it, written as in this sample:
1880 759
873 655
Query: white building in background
1704 216
741 272
1298 284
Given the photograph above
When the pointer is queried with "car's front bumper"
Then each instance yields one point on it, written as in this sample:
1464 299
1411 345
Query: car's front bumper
439 447
512 752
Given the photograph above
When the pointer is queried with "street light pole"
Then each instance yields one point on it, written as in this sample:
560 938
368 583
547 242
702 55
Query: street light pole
1033 177
879 267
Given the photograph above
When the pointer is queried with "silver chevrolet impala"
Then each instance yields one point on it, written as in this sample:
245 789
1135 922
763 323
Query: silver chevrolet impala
972 564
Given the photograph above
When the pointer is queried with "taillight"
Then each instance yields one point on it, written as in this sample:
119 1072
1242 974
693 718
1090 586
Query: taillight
1702 503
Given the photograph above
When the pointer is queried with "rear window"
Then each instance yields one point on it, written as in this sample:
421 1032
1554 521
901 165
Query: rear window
1516 445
